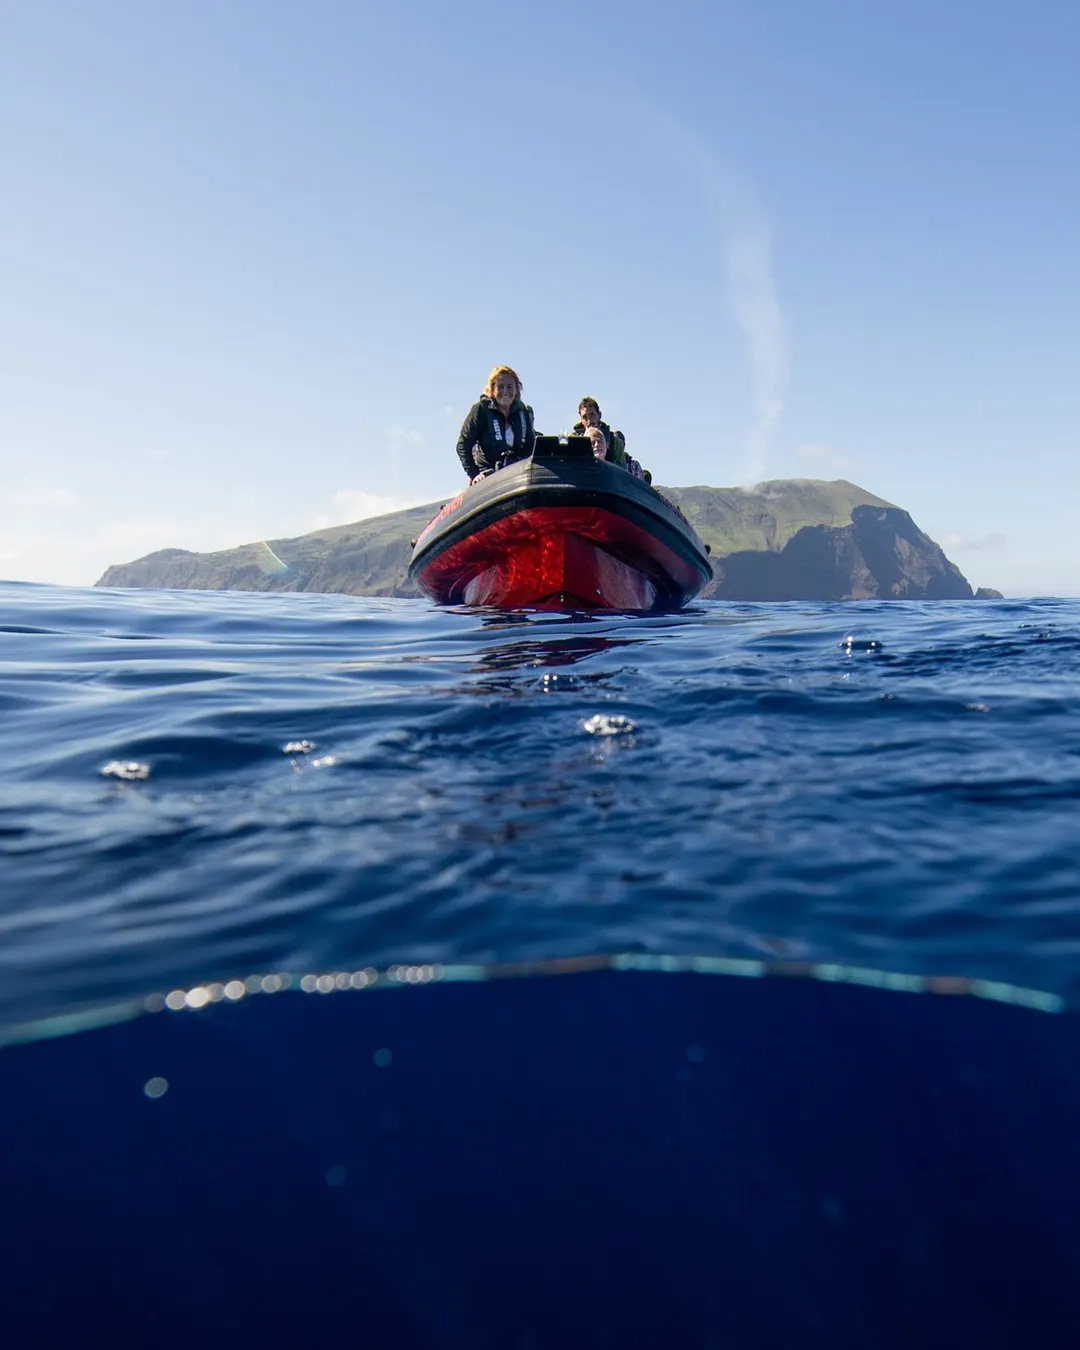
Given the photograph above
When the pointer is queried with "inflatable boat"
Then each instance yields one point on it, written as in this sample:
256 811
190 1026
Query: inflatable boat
560 530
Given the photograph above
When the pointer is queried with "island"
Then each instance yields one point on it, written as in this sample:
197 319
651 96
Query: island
789 539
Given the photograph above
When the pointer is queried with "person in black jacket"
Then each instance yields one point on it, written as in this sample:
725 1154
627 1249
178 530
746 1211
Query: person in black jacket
499 428
589 412
615 441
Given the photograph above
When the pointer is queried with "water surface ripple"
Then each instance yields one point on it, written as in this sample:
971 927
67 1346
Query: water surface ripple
199 785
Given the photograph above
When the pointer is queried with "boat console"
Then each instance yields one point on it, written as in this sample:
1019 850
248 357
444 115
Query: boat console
562 447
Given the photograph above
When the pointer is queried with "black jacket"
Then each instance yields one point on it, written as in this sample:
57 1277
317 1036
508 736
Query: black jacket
616 442
482 443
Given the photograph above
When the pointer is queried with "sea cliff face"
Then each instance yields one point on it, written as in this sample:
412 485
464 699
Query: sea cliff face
792 539
881 555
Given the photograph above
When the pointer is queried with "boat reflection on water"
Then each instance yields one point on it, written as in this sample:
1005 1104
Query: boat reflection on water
558 652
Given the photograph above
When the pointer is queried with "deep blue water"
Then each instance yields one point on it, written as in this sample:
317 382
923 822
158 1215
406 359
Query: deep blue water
819 820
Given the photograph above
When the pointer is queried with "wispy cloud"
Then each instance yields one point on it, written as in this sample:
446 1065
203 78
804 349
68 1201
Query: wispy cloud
408 435
47 549
29 494
351 504
824 454
746 256
958 542
53 553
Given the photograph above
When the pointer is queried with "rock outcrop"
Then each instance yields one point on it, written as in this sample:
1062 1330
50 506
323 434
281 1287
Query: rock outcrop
881 555
793 539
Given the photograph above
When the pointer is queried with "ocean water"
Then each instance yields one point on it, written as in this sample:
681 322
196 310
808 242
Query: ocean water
512 979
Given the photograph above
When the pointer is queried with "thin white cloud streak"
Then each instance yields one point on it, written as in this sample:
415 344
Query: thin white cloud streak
746 255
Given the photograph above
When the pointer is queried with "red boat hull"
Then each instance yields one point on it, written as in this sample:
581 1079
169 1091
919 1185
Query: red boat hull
534 552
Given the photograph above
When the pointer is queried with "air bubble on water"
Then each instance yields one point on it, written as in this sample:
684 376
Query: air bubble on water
130 770
609 724
299 747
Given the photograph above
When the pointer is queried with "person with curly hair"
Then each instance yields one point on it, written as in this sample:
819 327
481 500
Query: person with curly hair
499 427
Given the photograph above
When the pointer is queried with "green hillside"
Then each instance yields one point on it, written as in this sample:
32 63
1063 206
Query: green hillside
371 557
733 519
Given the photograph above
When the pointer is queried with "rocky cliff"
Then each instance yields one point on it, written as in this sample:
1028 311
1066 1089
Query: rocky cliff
881 555
793 539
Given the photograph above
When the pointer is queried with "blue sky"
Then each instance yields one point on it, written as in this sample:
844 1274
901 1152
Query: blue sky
257 259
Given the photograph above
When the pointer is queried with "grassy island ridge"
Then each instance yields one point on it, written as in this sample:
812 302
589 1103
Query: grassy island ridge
837 551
